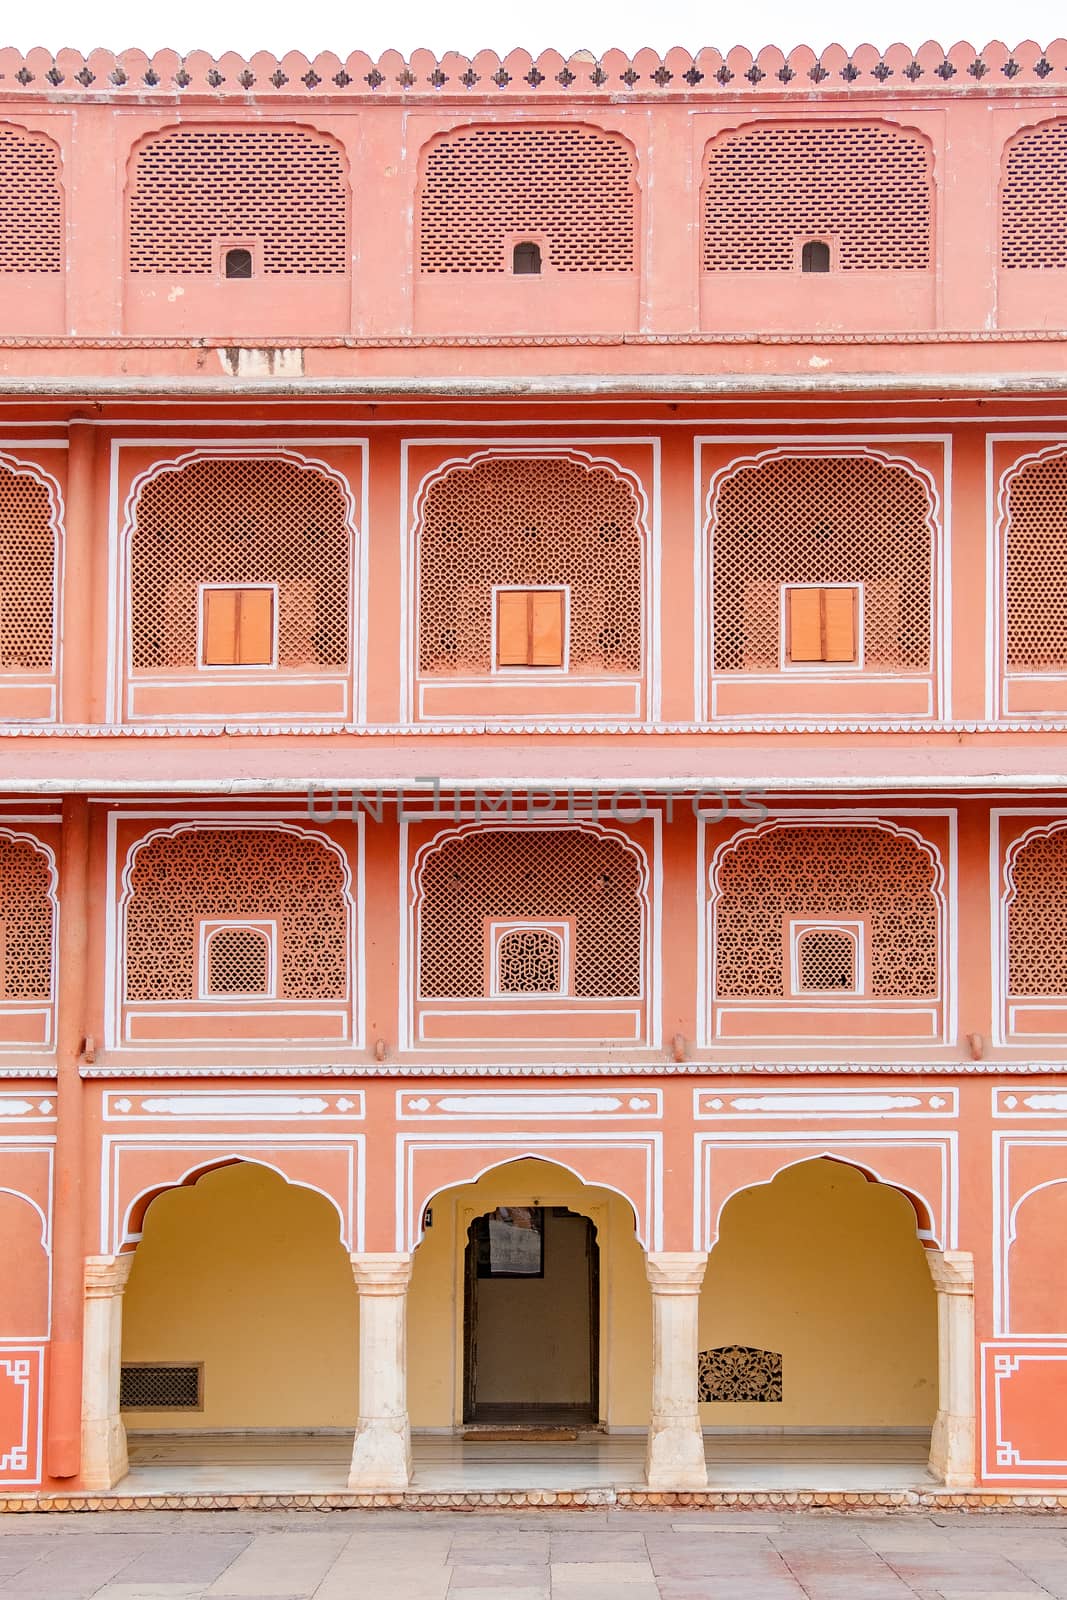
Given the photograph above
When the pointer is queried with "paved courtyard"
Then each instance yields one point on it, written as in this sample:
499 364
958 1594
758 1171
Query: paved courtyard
609 1555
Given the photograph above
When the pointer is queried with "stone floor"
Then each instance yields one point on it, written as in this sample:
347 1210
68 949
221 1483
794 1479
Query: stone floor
606 1555
296 1464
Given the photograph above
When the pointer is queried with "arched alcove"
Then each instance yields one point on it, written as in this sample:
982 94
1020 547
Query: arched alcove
1037 1290
24 1301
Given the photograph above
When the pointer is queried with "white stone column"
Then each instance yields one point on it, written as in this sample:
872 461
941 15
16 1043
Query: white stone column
381 1455
104 1459
675 1457
952 1441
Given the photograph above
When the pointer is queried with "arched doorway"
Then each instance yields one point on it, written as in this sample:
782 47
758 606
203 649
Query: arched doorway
240 1312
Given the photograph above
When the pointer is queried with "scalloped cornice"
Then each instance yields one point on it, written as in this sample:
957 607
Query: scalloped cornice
706 75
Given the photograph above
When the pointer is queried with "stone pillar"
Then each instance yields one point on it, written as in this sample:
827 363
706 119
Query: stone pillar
381 1455
952 1440
104 1460
675 1458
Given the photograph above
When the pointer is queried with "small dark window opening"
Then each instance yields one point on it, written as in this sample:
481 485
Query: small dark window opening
526 259
238 263
815 256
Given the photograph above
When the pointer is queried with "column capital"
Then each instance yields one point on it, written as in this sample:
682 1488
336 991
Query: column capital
385 1272
952 1271
106 1276
676 1271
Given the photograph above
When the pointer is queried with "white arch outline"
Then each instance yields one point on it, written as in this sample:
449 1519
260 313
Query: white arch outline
214 1164
225 451
56 516
648 677
842 449
1010 1237
1040 830
1002 528
46 1246
210 825
14 837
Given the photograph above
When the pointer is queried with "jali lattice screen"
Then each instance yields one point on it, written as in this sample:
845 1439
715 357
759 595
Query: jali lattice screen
285 187
867 185
529 961
829 871
27 574
179 879
25 922
240 521
238 961
1035 554
573 185
31 203
826 960
529 521
818 520
1033 197
1037 917
525 873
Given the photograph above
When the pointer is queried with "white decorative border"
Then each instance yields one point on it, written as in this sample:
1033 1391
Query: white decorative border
818 1105
46 1008
35 1147
503 1105
1000 1362
1006 1210
225 1105
1002 894
19 1363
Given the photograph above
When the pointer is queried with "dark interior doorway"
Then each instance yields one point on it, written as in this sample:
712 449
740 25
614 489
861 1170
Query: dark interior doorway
531 1318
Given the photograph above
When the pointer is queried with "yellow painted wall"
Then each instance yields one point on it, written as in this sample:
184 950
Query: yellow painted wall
435 1305
533 1333
247 1274
827 1269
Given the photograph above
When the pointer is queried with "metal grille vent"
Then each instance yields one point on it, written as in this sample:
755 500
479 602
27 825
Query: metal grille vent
1035 186
27 572
31 203
167 1386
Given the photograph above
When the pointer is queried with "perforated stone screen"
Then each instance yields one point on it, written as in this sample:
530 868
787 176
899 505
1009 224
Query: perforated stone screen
522 873
241 872
575 186
529 961
166 1387
240 521
284 187
818 520
31 203
826 959
531 522
1035 553
238 961
1032 199
826 872
27 574
1037 917
25 922
768 189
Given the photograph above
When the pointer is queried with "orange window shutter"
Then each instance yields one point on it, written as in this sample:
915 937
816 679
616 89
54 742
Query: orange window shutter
512 628
839 624
805 624
255 627
546 628
220 627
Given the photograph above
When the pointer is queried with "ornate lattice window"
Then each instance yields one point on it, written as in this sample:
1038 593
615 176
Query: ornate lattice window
574 186
866 185
512 873
27 574
529 961
238 960
816 520
256 520
786 873
31 203
740 1373
1033 197
180 879
1035 554
826 960
25 921
532 522
284 187
1037 917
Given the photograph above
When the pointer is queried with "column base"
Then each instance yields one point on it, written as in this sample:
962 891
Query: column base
381 1455
104 1459
952 1450
675 1458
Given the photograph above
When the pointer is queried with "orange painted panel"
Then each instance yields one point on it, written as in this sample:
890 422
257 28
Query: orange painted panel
501 1022
809 695
144 1027
1025 1404
23 1270
1037 1285
21 1373
818 1022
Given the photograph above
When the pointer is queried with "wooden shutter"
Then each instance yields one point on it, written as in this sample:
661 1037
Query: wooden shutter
805 625
238 627
512 628
546 628
839 624
529 628
220 627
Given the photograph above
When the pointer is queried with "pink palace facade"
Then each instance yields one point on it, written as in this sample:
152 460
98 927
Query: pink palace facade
533 818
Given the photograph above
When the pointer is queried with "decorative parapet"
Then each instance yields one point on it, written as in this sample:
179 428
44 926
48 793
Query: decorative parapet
131 75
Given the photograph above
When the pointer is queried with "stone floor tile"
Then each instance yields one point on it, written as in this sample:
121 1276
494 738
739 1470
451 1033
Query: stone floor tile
402 1583
600 1544
497 1574
609 1591
150 1591
601 1572
509 1593
280 1564
196 1561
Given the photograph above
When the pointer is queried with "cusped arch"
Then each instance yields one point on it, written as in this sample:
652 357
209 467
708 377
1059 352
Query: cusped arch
315 910
549 1161
609 949
132 1227
31 202
573 186
1032 539
531 518
285 186
26 1256
906 949
31 566
926 1224
822 513
238 515
1033 191
29 917
768 187
1034 911
1035 1291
